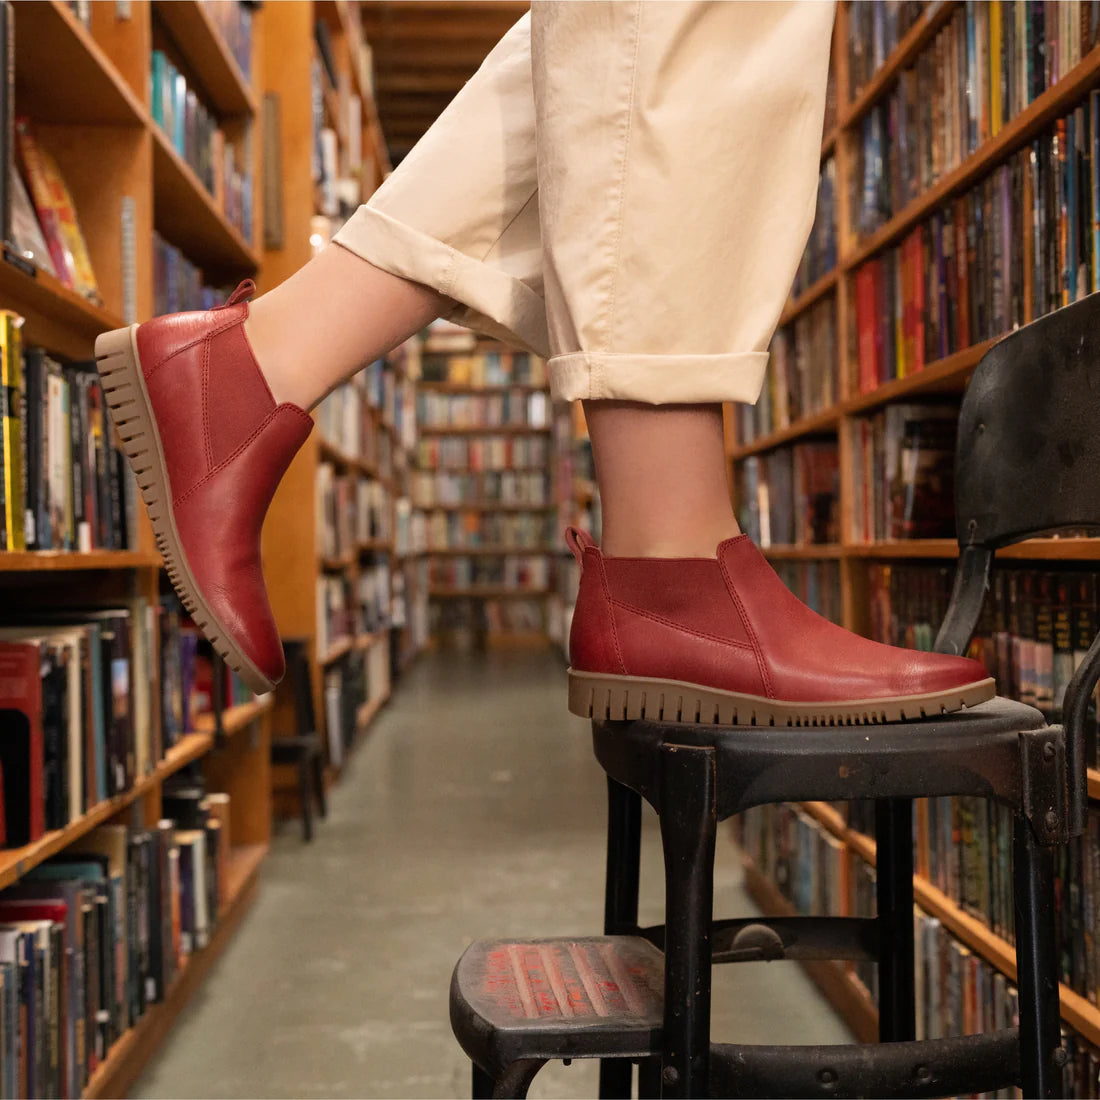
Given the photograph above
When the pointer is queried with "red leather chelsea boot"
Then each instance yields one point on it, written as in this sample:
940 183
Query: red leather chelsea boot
723 640
208 445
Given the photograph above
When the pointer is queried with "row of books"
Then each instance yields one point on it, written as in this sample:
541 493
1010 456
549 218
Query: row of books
233 22
178 284
64 485
815 583
515 408
517 571
44 229
957 991
358 677
874 31
492 486
904 473
351 509
490 368
486 453
462 624
374 588
410 533
1035 627
820 255
222 166
802 376
92 938
791 496
982 69
80 720
348 419
336 611
512 530
1021 243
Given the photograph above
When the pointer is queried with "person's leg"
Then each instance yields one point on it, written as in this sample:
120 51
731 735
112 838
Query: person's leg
704 131
211 406
452 232
669 247
662 477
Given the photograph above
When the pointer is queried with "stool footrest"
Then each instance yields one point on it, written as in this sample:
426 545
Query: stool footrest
764 939
931 1067
594 997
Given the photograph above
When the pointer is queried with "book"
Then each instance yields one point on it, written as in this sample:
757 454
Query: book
12 440
26 234
22 754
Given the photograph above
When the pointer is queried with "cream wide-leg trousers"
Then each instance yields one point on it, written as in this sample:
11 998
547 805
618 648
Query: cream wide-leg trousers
623 187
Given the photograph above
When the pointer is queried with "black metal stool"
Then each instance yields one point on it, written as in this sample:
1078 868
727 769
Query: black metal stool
1028 462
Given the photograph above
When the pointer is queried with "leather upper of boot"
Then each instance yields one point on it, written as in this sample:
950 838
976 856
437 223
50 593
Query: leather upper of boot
730 623
227 445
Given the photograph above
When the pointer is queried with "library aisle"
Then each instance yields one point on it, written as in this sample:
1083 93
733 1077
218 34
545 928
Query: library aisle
475 809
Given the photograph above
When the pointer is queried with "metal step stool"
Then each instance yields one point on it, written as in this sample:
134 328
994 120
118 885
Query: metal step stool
1027 464
517 1004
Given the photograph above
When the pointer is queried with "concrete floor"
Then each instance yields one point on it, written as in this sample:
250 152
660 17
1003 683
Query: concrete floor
475 809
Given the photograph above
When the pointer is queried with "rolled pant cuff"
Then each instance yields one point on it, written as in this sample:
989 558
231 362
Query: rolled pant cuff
488 299
658 379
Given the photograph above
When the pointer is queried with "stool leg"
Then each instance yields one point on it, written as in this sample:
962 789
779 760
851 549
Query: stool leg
1040 1033
688 824
894 887
620 912
305 793
319 784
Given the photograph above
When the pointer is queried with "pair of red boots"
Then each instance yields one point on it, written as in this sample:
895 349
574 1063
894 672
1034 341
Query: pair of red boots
696 640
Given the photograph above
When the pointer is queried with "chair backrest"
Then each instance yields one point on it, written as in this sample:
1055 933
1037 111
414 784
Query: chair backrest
1027 463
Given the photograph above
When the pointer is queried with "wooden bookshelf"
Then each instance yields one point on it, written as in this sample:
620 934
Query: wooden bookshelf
129 1055
949 375
488 506
86 90
486 592
483 429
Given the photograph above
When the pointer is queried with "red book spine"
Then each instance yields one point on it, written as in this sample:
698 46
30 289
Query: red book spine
21 690
865 328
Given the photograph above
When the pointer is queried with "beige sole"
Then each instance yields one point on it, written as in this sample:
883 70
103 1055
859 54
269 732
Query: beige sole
624 698
124 387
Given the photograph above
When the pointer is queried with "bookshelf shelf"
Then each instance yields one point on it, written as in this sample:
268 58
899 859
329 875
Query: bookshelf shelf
185 212
1076 1010
337 564
945 375
62 71
916 38
126 1058
227 91
375 546
818 423
34 561
366 713
813 552
488 591
235 719
828 143
52 308
839 985
331 453
486 506
489 551
1046 107
1094 784
336 651
1046 549
810 296
16 862
484 429
459 389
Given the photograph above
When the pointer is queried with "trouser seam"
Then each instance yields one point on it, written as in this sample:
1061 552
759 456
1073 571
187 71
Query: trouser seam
617 236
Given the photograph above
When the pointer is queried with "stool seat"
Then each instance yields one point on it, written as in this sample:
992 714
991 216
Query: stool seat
973 751
517 1000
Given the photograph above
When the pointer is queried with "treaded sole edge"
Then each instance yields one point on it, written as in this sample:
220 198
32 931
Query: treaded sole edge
626 698
128 400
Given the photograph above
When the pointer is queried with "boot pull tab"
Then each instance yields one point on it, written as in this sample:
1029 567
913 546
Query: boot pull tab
245 289
578 541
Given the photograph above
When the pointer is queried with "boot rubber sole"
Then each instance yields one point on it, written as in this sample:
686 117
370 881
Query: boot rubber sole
124 388
606 697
